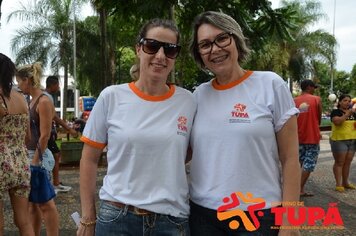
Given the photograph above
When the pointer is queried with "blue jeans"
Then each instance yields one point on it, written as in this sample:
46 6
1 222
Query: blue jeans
48 159
204 221
117 221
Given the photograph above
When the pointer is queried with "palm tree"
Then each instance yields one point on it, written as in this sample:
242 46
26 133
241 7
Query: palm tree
47 37
295 54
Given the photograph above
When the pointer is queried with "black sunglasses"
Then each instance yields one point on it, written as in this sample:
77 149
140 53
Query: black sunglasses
151 46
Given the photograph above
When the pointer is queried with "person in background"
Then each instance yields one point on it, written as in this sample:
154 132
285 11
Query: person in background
244 137
79 125
145 126
309 120
52 87
343 141
134 70
41 115
14 165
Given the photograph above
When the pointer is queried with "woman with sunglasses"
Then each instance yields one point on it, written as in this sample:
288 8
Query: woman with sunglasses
343 141
244 129
145 126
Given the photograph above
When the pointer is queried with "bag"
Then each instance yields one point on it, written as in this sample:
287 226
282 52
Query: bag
41 187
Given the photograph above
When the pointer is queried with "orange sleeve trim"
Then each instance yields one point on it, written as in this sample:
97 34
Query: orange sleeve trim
152 98
233 83
92 143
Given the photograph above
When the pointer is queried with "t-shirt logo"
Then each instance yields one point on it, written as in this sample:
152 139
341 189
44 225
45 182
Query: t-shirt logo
239 114
304 107
182 125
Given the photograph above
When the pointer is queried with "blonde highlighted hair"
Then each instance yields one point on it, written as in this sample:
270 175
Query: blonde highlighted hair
33 72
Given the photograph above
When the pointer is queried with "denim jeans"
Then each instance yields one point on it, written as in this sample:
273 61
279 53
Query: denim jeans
48 159
204 221
117 221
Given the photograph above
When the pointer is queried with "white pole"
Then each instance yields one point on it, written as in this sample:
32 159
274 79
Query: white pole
332 59
76 91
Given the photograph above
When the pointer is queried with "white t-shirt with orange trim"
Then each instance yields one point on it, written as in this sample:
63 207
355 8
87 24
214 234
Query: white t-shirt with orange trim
146 139
233 139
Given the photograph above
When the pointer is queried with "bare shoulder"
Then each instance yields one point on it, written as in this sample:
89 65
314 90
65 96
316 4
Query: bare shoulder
45 106
19 100
45 101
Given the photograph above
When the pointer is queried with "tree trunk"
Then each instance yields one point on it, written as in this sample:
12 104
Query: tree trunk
171 17
104 51
112 65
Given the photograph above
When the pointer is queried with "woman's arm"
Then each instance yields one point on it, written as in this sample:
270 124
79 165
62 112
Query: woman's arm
338 120
287 140
88 173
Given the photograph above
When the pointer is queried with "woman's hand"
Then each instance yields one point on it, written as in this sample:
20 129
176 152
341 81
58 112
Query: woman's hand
348 113
86 230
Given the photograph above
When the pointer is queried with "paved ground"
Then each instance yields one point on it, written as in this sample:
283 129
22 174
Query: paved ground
321 183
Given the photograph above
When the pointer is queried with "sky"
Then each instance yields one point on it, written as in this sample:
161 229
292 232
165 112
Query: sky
345 28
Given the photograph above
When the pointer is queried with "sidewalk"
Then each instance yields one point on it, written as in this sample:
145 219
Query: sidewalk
321 183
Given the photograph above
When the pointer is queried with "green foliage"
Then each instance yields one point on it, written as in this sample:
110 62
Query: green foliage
88 56
343 83
280 39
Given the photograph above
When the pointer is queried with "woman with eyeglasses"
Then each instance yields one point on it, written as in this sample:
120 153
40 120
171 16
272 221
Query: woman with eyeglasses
244 130
145 126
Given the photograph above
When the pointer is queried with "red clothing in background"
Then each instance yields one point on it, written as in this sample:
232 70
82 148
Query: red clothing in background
308 119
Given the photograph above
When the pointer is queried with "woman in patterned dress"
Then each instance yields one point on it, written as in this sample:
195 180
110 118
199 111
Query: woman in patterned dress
14 165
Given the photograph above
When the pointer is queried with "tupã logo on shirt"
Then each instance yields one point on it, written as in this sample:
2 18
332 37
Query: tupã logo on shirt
239 114
182 126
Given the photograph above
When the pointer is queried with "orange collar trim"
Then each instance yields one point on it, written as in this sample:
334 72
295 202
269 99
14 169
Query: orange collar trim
150 97
231 84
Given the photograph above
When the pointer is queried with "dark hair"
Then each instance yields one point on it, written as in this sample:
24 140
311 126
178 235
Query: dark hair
7 73
157 22
223 22
341 97
51 80
306 83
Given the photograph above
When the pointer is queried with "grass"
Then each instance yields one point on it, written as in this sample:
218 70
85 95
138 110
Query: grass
325 122
59 141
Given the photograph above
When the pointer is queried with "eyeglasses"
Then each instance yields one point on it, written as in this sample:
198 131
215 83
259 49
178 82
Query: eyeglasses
222 40
151 46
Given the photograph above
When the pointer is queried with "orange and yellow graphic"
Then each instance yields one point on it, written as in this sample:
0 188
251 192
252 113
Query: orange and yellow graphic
224 213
